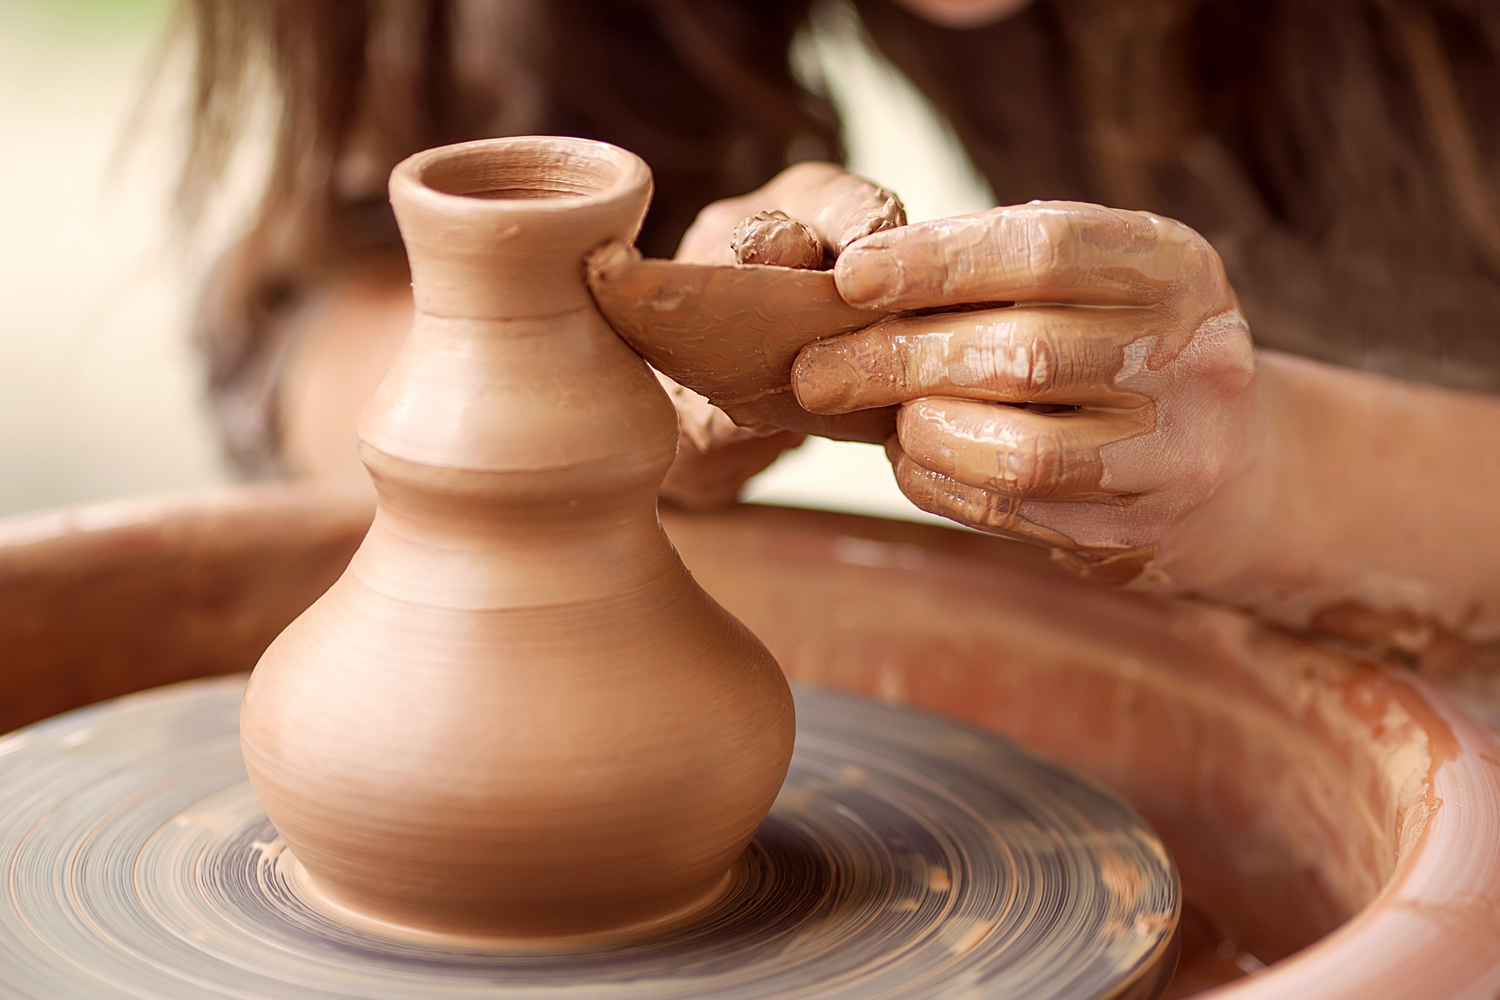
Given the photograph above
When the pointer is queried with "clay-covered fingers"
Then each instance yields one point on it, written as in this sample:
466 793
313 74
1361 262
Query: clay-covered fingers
1106 563
1041 252
1017 452
838 206
1042 354
1065 373
964 503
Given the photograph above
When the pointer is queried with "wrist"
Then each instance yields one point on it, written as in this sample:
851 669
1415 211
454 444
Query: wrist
1372 501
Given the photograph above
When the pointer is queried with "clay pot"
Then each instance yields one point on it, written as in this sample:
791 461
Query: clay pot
516 713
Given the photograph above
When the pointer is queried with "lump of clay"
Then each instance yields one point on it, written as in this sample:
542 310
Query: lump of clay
839 207
776 239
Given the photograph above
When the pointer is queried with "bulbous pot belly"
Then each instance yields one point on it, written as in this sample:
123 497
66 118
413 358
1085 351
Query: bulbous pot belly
602 768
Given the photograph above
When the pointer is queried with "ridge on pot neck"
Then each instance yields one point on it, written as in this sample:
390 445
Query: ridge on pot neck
495 223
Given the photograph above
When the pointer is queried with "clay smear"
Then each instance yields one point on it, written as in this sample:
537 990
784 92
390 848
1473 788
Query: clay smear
777 239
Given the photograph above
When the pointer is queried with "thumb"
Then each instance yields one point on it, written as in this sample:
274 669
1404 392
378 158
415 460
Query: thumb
836 204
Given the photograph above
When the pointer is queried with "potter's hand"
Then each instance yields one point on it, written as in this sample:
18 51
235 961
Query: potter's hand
731 332
715 458
1100 414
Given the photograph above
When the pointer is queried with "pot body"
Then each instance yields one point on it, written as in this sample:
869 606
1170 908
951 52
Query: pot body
516 713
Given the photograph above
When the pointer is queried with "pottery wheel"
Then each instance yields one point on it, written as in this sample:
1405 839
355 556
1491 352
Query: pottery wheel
908 856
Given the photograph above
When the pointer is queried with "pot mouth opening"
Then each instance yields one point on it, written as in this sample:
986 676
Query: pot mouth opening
565 172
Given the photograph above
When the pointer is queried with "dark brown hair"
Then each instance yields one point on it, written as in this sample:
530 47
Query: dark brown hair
1341 154
701 89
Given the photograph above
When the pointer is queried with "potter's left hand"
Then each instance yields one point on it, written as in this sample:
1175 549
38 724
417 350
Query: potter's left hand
1100 401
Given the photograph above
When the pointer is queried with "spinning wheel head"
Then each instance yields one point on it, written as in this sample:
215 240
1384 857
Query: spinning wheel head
906 857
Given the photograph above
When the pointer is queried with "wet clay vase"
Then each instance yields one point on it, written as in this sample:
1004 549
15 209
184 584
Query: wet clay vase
515 713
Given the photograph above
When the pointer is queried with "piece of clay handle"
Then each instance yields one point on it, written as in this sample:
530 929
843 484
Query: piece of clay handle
836 205
732 332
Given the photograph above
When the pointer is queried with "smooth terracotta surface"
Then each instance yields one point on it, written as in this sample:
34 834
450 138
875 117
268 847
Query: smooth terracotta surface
515 713
1333 819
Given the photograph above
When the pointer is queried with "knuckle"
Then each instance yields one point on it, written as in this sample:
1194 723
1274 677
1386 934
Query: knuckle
1027 468
1044 463
991 510
939 494
1036 363
1012 354
1220 351
921 362
1046 237
986 445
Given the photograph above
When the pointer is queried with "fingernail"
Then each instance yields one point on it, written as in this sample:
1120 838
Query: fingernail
824 381
869 275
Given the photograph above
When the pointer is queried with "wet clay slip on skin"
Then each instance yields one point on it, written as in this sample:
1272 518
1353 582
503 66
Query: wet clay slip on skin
515 714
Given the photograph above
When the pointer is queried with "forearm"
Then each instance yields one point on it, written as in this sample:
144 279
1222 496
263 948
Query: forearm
1374 509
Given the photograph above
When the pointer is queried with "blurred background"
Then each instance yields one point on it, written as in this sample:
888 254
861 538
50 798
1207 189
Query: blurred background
100 393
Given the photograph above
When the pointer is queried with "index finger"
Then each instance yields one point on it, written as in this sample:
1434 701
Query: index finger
1042 252
1019 354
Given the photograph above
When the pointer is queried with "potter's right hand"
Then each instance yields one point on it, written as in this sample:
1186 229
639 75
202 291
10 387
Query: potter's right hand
1069 374
730 333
